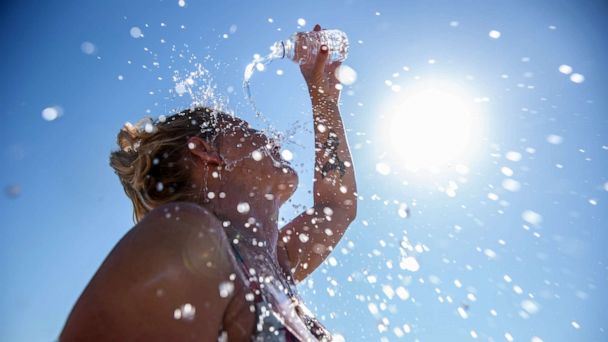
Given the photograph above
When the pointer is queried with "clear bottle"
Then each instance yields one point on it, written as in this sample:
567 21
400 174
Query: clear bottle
303 47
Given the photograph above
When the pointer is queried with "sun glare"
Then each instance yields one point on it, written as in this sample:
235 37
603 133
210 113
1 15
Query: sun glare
434 125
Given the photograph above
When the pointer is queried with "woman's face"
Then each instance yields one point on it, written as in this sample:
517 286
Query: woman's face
253 162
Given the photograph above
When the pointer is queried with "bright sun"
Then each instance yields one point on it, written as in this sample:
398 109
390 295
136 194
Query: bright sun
434 125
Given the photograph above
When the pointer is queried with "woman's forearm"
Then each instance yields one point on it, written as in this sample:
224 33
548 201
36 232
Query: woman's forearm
334 184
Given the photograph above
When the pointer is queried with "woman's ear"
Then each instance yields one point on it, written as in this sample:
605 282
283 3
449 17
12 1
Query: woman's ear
204 152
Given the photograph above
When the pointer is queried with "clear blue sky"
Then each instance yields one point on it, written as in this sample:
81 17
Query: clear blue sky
541 150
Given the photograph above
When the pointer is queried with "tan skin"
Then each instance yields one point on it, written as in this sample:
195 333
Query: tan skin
180 253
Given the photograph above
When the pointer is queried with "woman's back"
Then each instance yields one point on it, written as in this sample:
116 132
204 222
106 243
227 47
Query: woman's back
161 280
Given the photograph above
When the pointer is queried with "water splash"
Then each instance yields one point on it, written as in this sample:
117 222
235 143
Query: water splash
258 64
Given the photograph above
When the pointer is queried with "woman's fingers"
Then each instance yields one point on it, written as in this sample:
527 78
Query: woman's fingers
318 71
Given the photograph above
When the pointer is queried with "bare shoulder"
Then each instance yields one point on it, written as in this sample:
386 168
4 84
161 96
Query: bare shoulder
175 255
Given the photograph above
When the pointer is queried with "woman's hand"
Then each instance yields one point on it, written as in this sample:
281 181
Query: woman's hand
321 78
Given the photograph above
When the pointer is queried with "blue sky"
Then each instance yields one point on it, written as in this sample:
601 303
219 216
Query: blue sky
514 231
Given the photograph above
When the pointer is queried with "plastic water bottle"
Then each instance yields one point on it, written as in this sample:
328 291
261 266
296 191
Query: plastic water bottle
302 48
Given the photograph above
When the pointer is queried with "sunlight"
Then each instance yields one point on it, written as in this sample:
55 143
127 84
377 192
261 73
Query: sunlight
434 125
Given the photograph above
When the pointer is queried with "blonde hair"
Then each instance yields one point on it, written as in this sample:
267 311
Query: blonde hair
153 163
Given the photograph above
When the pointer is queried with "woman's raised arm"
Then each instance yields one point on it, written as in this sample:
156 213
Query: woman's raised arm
312 235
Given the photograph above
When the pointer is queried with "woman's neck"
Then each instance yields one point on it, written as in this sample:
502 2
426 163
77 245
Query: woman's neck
253 221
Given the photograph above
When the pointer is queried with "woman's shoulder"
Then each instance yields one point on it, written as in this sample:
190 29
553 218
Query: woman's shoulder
161 238
165 231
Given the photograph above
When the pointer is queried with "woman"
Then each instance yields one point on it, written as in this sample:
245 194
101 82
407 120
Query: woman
206 260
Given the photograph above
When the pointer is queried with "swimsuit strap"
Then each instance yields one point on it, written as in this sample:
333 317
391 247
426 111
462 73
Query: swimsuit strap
253 285
283 334
314 326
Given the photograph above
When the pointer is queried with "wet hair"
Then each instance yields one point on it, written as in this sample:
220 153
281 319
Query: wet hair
153 162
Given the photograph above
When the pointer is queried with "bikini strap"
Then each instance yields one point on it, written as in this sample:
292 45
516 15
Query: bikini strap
251 280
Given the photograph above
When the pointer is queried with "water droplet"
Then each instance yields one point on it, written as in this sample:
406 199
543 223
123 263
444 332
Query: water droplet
383 168
332 261
135 32
402 293
403 210
51 113
517 289
373 308
149 128
513 156
554 139
388 291
506 171
88 48
494 34
287 155
410 264
532 217
301 21
226 289
462 312
303 237
530 306
577 78
511 184
345 74
489 253
257 155
565 69
180 89
186 312
243 207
